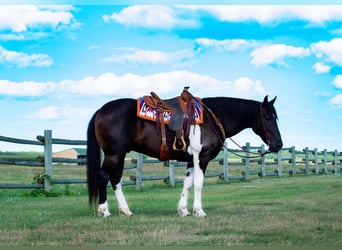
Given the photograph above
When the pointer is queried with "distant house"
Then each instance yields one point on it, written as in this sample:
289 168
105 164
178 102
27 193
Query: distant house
72 153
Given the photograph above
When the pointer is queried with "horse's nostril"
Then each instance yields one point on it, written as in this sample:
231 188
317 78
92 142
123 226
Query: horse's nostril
279 146
275 147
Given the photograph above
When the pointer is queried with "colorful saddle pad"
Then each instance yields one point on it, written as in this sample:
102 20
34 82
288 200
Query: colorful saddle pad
146 112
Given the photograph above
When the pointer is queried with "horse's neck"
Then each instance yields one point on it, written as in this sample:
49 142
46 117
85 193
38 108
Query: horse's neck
235 115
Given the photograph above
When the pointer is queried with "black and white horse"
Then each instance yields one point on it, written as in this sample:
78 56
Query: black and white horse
115 129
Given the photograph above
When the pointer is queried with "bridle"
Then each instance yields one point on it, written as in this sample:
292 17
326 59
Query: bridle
268 138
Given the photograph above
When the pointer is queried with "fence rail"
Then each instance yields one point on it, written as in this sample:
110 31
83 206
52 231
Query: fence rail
287 161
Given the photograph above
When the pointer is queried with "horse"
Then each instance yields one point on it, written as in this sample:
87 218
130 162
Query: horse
116 129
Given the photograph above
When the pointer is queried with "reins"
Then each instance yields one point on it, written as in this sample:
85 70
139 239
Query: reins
256 155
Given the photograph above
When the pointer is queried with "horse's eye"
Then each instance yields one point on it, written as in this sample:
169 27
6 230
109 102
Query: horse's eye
270 116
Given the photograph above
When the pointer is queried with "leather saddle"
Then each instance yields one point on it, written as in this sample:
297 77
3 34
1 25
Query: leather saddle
182 108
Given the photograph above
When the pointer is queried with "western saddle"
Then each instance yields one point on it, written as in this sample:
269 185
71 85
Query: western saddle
182 108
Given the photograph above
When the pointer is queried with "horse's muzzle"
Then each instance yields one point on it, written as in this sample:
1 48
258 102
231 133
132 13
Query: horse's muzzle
275 147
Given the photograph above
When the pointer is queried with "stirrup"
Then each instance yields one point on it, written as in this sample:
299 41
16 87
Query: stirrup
174 146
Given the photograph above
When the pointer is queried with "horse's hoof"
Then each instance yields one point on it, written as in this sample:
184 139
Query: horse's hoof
126 212
183 212
107 215
103 210
104 213
199 213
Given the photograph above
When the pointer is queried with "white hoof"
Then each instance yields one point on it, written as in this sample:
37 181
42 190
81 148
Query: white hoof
103 210
199 213
125 211
183 212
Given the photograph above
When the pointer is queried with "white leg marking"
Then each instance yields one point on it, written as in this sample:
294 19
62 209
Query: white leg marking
198 184
195 149
187 184
123 206
103 210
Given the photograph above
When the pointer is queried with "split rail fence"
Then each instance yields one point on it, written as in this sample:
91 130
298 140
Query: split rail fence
235 164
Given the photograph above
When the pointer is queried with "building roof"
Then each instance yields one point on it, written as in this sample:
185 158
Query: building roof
80 151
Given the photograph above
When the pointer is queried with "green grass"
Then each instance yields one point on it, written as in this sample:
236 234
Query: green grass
301 211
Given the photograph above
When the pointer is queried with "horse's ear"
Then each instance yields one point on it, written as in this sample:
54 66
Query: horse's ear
273 100
265 102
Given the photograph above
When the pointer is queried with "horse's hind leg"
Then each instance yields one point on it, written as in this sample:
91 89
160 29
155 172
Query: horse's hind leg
113 168
103 204
123 206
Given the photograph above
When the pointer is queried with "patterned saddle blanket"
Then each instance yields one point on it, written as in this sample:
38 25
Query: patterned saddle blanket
147 112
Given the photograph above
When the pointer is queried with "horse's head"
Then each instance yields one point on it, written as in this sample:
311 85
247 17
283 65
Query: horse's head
266 125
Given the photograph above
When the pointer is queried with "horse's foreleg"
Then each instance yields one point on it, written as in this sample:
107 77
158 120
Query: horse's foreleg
123 206
183 202
198 185
195 149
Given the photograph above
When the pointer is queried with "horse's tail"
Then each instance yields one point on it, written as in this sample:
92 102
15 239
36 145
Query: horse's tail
93 162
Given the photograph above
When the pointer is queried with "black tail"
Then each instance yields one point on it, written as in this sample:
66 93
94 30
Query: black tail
93 162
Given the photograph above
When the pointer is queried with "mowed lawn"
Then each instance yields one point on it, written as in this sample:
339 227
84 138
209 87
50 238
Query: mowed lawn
302 211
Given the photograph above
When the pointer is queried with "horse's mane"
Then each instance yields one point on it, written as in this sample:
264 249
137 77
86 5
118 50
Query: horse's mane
238 106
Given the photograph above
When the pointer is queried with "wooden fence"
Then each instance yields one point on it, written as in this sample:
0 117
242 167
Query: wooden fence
248 163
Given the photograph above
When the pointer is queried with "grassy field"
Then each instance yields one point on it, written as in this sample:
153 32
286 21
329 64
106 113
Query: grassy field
300 211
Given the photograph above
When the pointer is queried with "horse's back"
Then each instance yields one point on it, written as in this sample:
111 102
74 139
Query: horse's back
115 122
117 106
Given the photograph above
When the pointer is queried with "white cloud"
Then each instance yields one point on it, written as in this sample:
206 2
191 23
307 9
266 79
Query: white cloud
338 81
337 101
228 45
149 56
321 68
276 54
61 113
24 60
271 14
20 18
28 88
151 16
167 84
244 84
47 113
168 17
330 51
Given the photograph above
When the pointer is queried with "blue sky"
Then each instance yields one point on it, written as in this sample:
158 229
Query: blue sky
59 63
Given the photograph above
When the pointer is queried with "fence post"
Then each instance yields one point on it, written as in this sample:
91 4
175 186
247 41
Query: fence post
225 162
325 161
172 177
263 165
316 161
279 162
47 159
138 175
307 170
335 162
293 151
247 160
